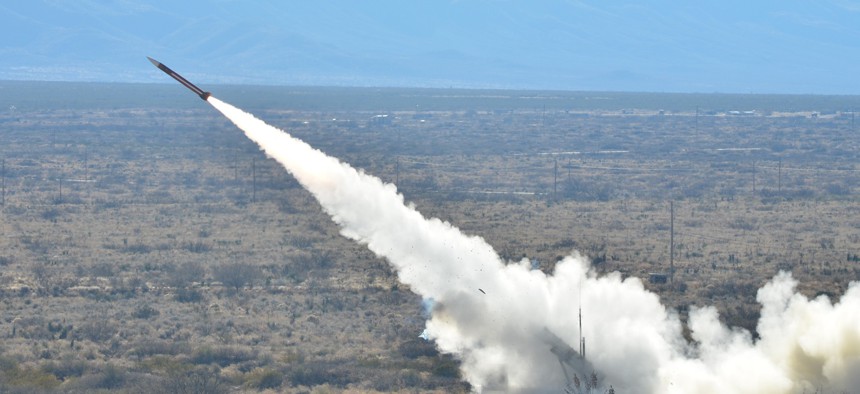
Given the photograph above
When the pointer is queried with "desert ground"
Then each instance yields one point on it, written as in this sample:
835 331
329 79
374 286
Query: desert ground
153 246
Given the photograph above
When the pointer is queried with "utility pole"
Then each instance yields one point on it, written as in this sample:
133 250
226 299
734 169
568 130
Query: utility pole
754 169
779 178
671 245
543 117
397 171
581 336
569 167
697 119
555 180
86 162
236 167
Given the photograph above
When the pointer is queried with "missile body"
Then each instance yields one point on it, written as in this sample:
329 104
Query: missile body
203 95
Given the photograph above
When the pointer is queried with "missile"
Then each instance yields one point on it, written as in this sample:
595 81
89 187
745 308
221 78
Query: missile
203 95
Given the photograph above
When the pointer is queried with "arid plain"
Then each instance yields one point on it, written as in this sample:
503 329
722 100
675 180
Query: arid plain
146 244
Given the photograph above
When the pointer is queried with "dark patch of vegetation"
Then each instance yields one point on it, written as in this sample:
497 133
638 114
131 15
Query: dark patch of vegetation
221 355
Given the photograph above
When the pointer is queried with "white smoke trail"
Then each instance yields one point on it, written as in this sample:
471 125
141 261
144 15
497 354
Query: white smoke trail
493 315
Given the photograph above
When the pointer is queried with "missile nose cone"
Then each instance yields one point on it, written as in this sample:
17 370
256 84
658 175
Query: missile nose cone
153 61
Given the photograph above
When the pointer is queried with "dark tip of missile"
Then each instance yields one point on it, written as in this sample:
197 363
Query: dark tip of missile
153 61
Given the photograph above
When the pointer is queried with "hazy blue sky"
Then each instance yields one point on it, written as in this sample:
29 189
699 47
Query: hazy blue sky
771 46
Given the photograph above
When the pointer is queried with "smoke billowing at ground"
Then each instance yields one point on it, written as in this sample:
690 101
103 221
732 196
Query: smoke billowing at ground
494 315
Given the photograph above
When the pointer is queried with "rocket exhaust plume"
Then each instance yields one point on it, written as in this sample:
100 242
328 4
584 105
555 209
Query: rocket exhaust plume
512 326
497 316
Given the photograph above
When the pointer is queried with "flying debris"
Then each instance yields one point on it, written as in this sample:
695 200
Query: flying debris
203 95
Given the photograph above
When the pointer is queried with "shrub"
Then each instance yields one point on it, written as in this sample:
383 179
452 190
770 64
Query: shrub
138 248
186 274
314 374
28 378
199 380
159 363
152 347
7 364
96 330
66 369
417 348
446 367
102 269
410 378
184 294
145 312
112 377
304 262
45 276
236 275
264 378
386 382
222 356
32 327
197 247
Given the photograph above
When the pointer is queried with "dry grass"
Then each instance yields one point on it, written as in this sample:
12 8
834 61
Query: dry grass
107 213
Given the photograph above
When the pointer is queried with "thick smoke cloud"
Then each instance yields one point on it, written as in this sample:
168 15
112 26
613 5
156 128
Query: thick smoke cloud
494 315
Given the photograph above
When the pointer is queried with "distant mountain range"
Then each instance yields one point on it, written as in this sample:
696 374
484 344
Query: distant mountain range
763 47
